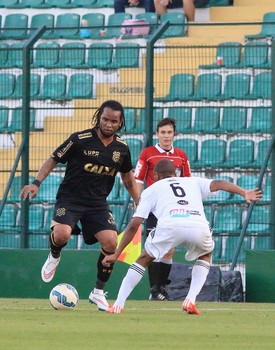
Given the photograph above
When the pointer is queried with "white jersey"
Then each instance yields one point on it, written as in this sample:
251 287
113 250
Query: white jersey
175 199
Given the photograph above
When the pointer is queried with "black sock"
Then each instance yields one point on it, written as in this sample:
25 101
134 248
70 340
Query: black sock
164 271
103 273
153 272
55 248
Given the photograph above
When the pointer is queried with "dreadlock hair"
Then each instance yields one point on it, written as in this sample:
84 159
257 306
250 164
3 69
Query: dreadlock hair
112 104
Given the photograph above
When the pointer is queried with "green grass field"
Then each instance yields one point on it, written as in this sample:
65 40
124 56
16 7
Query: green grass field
33 324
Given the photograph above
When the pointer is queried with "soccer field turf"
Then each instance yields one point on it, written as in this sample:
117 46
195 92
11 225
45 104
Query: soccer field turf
34 324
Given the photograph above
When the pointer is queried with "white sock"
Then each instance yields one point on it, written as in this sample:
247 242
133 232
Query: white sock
199 274
131 279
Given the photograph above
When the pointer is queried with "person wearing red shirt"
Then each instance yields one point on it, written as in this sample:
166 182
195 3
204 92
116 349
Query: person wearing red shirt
144 174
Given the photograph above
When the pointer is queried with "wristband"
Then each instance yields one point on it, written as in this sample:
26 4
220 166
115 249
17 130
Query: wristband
36 182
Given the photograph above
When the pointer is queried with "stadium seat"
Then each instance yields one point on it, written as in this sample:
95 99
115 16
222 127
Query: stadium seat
8 3
15 56
268 27
234 120
7 85
54 86
230 52
100 55
207 119
114 25
181 88
150 17
230 244
8 219
208 87
28 4
114 194
35 81
262 148
248 182
227 219
261 120
4 118
46 55
36 218
16 186
66 27
237 86
10 240
216 253
135 146
81 85
56 3
190 147
267 190
241 154
16 120
220 196
102 3
213 152
177 24
131 120
208 211
72 55
38 241
95 23
183 118
255 55
259 220
4 53
157 115
80 3
15 26
48 189
39 20
126 55
262 243
262 86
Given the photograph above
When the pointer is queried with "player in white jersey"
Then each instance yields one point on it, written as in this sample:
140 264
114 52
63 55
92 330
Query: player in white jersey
177 204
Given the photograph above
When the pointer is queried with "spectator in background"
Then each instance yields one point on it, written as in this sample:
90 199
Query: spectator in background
188 7
119 5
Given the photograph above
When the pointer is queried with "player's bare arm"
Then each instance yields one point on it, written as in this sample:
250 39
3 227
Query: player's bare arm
249 195
128 235
129 182
32 189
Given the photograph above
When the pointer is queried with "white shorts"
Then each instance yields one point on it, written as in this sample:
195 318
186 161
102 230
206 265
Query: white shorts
196 239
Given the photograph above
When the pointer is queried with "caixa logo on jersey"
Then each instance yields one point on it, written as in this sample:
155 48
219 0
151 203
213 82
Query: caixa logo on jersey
179 213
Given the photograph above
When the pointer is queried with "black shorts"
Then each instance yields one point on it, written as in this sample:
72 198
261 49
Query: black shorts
92 220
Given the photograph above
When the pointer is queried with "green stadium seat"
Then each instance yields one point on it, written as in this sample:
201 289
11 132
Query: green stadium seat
183 118
230 244
216 253
190 147
35 81
126 55
10 241
237 86
54 86
267 29
7 85
213 153
227 219
135 146
116 210
48 189
4 118
216 3
234 120
4 54
208 87
267 190
72 55
262 85
114 194
255 55
208 211
157 115
248 182
56 3
150 17
36 218
8 219
131 120
177 26
95 23
241 154
15 56
16 120
262 148
39 20
114 24
207 120
15 26
80 3
220 196
262 243
46 55
81 86
102 3
261 120
230 52
100 55
38 241
8 3
259 220
66 27
181 88
15 190
29 4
